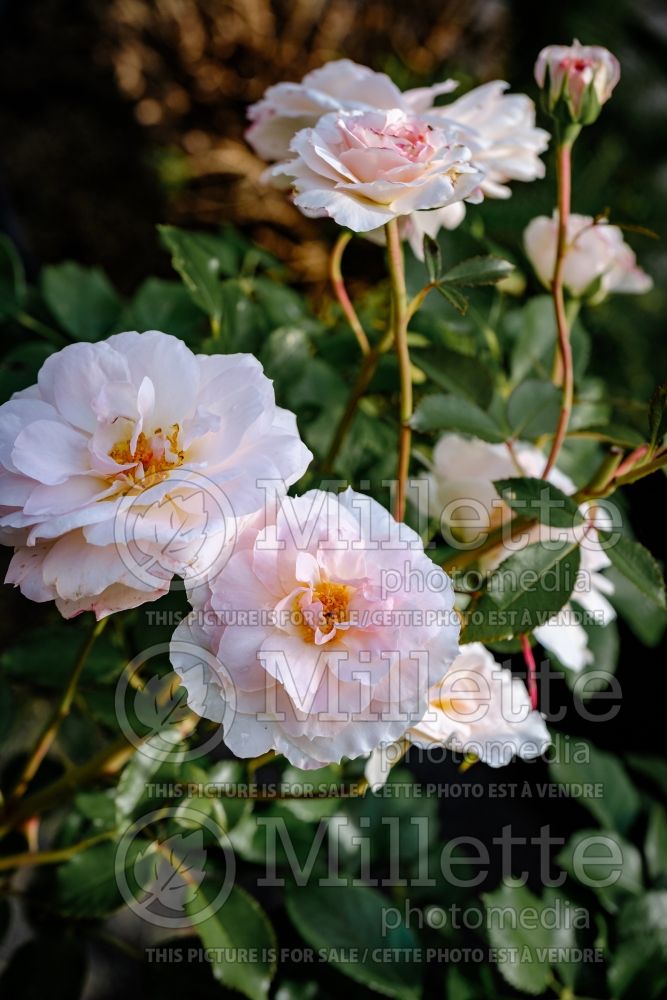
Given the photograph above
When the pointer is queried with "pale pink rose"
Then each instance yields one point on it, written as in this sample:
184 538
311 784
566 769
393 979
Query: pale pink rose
364 169
329 623
597 258
459 493
499 129
341 85
478 708
575 74
129 462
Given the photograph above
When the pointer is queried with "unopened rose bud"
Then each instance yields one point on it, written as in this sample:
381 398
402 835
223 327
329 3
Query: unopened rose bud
576 80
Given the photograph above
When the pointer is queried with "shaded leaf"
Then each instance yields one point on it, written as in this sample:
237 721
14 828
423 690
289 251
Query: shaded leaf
82 299
453 413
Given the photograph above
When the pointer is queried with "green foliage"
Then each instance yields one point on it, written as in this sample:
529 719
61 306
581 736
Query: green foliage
618 805
638 565
454 413
347 923
487 376
534 498
239 925
81 299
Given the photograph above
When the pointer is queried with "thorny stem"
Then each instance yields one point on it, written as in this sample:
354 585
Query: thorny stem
338 285
564 179
399 322
50 731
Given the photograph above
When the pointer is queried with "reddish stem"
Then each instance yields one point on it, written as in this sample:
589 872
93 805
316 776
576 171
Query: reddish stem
338 285
527 651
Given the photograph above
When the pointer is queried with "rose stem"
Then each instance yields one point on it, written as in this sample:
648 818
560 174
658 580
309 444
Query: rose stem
338 285
564 182
50 731
530 665
399 322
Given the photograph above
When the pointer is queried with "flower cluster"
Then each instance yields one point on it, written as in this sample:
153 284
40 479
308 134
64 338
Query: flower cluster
358 150
460 494
319 627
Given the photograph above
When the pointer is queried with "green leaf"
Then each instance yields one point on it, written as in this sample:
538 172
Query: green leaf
240 925
637 564
12 279
346 922
618 805
87 884
388 821
605 863
454 297
647 620
611 433
653 768
639 962
523 592
533 409
657 415
521 940
136 775
432 258
534 330
457 373
485 270
536 498
655 845
453 413
81 299
202 260
167 306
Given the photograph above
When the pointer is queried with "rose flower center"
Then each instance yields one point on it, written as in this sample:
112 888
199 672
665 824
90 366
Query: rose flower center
154 455
335 599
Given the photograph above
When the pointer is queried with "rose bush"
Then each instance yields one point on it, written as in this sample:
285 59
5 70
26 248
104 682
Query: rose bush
317 638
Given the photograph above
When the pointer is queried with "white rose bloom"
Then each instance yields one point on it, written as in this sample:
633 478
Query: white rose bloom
499 129
461 495
478 708
329 624
129 462
341 85
595 252
364 169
